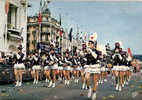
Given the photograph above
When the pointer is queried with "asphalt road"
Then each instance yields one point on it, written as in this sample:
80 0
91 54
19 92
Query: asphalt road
106 91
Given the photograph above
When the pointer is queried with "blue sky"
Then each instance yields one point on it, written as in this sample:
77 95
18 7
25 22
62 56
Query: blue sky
113 21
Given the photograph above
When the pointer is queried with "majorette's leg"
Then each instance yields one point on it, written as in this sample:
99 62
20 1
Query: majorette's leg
20 76
87 77
95 79
54 78
49 77
83 79
16 76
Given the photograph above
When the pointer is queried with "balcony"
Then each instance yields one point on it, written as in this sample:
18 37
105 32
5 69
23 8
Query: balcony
14 33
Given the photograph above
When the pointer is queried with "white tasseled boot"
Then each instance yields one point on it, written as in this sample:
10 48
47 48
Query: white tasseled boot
50 84
53 85
17 83
94 96
83 85
20 83
117 87
89 92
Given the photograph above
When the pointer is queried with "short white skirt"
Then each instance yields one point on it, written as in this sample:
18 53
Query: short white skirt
19 66
55 66
92 68
103 69
68 68
120 68
47 68
60 68
78 68
36 67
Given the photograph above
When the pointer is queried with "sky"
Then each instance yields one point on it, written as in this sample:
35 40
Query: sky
113 21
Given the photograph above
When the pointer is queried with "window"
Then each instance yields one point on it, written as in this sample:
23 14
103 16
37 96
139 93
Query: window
12 17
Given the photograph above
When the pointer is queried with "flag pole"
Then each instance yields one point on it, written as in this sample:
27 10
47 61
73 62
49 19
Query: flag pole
39 37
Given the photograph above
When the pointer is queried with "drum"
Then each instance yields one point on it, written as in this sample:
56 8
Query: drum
19 66
36 67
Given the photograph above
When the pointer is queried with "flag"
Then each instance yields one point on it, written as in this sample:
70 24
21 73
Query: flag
70 34
130 53
61 33
7 6
60 22
85 36
40 3
39 18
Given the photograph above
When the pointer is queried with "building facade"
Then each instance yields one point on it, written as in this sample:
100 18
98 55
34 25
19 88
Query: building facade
13 26
45 33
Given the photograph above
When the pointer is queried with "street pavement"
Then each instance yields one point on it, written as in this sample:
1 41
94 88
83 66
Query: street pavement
106 91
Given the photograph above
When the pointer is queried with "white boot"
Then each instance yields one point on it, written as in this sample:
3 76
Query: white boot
117 87
105 80
77 80
101 81
123 85
17 83
68 83
89 92
65 82
53 85
83 85
60 79
46 80
94 96
120 88
50 84
126 82
20 83
34 81
74 80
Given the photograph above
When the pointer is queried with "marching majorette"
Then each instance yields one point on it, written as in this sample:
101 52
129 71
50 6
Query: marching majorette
103 63
67 68
126 70
60 67
53 63
92 67
83 61
47 68
105 69
19 67
117 68
76 66
36 67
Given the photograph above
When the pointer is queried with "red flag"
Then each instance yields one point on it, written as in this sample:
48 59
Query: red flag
39 18
130 53
7 6
61 33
